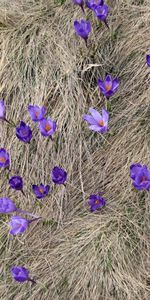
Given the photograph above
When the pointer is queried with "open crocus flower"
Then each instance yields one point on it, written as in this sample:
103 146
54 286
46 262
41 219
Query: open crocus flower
20 274
59 175
82 29
4 158
23 132
95 202
47 127
140 176
19 225
37 113
102 12
80 3
91 4
2 110
97 121
148 59
40 191
109 86
16 183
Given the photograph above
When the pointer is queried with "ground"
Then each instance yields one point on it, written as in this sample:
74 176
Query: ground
74 254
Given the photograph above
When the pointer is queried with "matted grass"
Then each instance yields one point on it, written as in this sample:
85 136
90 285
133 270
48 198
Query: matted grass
72 253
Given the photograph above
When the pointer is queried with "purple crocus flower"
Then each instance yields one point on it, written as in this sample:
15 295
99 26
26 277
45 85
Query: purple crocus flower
37 113
91 4
102 12
40 191
16 183
4 158
47 127
148 59
95 202
21 274
82 29
19 225
140 176
8 206
80 3
59 175
109 86
23 132
97 121
2 110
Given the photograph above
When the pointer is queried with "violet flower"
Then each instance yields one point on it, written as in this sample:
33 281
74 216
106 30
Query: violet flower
82 28
91 4
109 86
2 110
37 113
23 132
40 191
16 183
97 122
140 176
8 206
19 225
148 59
102 12
47 127
20 274
59 175
95 202
80 3
4 158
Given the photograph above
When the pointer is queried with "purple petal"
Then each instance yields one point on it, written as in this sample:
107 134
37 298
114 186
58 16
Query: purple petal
95 114
95 128
90 119
115 85
148 59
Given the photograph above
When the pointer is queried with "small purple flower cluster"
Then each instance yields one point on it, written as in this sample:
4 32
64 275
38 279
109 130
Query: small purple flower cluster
17 223
100 9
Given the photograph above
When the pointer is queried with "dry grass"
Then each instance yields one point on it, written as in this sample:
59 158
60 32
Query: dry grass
72 253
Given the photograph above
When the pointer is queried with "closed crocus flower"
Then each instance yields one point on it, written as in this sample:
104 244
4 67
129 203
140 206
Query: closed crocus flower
59 175
37 113
20 274
47 127
19 225
16 183
2 110
41 190
96 121
7 206
80 3
140 176
102 12
4 158
82 28
95 202
148 59
91 4
109 86
23 132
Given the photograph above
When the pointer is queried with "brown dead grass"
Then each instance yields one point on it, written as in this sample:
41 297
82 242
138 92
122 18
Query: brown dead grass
77 255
